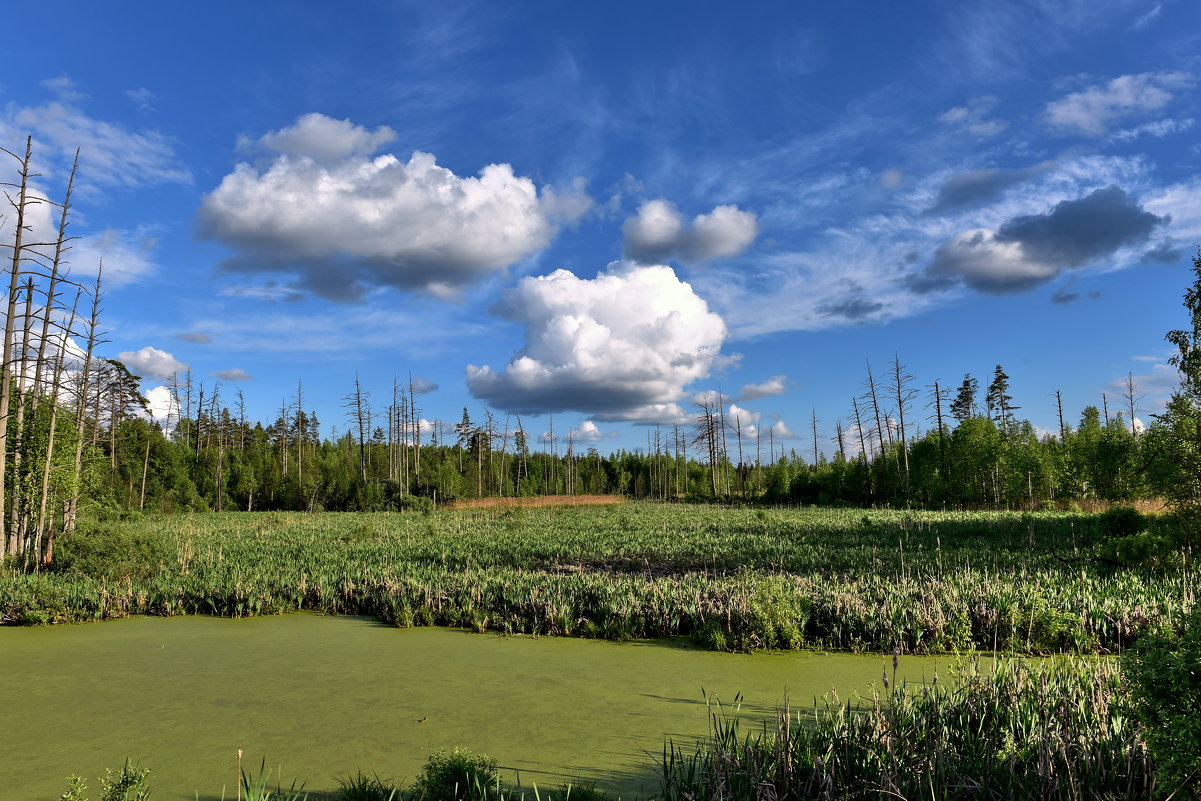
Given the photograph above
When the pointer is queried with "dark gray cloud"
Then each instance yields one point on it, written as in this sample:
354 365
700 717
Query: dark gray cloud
1033 249
194 336
853 306
980 187
1163 253
422 386
1077 231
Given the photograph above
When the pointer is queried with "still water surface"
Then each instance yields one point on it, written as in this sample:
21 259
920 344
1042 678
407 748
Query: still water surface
320 697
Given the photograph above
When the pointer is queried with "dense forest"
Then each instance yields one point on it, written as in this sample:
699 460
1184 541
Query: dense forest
76 436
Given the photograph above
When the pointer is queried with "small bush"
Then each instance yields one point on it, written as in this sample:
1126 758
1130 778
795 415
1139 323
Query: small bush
1165 689
416 503
454 776
130 784
110 552
1121 521
361 787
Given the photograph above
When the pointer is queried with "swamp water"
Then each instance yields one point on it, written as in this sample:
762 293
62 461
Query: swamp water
321 697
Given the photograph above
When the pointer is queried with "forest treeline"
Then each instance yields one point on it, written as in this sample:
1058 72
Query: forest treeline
76 435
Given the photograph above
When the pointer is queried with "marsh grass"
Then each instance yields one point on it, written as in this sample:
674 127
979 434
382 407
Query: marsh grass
732 579
1051 730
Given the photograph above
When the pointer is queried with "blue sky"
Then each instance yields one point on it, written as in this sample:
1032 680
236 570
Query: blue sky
601 212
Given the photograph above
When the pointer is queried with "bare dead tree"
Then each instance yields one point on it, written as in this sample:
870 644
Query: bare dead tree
813 424
1063 429
902 394
356 405
872 396
20 206
93 339
1132 400
938 396
706 435
45 557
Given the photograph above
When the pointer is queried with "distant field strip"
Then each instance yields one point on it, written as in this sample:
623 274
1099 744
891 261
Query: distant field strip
536 501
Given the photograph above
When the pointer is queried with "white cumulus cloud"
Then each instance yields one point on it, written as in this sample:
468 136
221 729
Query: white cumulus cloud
1091 110
342 219
621 346
739 418
150 361
587 431
323 139
161 405
657 233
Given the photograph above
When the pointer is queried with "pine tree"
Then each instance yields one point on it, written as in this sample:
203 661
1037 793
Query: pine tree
964 405
998 401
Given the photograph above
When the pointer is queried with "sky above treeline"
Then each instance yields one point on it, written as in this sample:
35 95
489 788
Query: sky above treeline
600 213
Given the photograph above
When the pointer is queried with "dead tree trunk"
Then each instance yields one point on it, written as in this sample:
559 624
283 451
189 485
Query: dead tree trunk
12 541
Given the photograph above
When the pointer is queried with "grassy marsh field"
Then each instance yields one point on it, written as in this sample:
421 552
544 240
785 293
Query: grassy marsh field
730 578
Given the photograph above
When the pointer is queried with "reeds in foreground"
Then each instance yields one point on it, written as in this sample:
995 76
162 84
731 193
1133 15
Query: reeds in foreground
1017 730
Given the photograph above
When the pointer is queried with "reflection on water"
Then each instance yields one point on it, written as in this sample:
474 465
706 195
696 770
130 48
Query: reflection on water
321 697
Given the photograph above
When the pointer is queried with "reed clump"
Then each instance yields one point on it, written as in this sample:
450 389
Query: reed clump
1052 730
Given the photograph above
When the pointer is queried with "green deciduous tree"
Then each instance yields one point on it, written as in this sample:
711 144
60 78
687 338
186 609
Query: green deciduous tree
1176 439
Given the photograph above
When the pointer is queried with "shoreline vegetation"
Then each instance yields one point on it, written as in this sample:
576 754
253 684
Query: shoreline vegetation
1056 729
728 578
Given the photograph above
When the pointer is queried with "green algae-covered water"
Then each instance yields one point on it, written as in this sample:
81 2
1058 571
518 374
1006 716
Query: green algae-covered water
320 697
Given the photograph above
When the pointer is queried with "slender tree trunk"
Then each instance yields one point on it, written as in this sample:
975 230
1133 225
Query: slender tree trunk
145 469
81 406
19 511
56 383
12 541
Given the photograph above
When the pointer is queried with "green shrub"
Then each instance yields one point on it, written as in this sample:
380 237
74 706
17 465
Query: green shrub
111 552
361 787
416 503
130 784
1121 521
454 776
1164 674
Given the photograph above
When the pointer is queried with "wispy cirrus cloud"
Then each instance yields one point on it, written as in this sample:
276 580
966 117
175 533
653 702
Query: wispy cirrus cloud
111 155
1094 109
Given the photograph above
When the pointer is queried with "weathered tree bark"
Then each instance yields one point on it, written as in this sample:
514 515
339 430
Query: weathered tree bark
47 556
81 406
12 541
902 394
871 394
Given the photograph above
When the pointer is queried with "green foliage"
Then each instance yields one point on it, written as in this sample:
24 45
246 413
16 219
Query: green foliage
732 578
110 552
458 775
361 787
257 787
132 783
1052 730
416 503
1121 521
1164 674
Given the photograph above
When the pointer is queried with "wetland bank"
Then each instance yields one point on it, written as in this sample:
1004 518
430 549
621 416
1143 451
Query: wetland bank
322 696
325 695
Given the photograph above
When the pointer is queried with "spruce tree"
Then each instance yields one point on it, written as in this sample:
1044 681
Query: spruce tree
964 405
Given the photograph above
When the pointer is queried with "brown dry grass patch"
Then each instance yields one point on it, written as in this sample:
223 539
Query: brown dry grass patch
536 502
